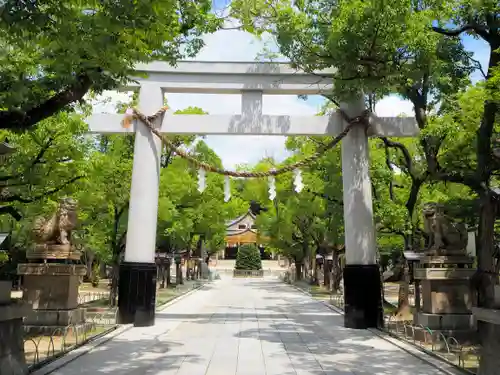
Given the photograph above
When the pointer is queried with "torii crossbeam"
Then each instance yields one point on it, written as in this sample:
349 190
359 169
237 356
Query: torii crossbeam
252 80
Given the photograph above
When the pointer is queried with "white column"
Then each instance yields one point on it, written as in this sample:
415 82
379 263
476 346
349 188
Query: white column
360 238
251 104
143 206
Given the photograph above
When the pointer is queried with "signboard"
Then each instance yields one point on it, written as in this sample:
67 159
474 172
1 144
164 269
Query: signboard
412 255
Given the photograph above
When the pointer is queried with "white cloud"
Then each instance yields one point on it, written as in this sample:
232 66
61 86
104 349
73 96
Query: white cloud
235 45
393 106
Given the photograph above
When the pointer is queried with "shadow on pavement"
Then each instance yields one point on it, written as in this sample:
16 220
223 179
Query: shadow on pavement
126 356
253 319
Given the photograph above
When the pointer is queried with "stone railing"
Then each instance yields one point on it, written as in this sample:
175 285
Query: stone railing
248 273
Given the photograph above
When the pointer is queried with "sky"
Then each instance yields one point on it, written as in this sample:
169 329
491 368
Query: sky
235 45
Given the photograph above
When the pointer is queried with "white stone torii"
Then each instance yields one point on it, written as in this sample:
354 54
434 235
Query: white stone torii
252 80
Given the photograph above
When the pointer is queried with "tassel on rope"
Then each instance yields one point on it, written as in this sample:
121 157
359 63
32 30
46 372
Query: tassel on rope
227 189
297 180
272 187
201 180
127 120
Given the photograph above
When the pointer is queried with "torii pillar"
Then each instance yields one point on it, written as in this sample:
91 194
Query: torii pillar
362 283
138 271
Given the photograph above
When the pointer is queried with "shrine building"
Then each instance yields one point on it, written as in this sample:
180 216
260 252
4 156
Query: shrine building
240 231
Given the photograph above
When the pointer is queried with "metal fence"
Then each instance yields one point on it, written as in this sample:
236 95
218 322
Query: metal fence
44 346
464 355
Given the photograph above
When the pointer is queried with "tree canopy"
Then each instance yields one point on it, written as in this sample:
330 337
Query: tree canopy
55 52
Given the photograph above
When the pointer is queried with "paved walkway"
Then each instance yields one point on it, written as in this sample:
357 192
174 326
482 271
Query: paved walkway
248 327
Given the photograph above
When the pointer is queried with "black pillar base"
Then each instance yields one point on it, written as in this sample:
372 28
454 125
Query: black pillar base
362 296
137 294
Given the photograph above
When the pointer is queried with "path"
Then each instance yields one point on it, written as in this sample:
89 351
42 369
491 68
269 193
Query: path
248 327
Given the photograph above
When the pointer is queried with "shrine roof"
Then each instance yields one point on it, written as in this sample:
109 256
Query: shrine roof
240 218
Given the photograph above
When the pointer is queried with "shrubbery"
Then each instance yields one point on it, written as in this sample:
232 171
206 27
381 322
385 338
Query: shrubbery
248 258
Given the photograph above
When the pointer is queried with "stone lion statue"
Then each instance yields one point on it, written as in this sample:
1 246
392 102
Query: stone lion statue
56 230
445 236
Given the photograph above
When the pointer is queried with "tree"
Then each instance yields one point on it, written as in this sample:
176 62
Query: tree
393 48
56 52
105 201
46 163
248 258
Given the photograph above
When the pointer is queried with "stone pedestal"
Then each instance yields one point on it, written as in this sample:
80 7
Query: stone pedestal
53 252
12 359
446 299
52 291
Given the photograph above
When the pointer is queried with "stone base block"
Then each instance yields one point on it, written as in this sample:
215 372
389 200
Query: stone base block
445 321
51 286
13 364
363 296
137 294
55 317
446 296
53 251
12 359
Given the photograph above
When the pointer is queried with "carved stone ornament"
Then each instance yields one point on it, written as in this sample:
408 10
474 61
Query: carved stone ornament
56 230
445 236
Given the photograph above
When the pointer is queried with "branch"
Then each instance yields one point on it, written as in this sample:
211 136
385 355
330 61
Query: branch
17 198
479 30
22 120
478 66
9 210
36 160
401 147
324 196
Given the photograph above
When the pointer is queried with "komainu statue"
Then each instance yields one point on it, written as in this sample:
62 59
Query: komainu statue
56 230
445 236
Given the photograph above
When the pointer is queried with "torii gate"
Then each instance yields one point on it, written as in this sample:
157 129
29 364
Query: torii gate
137 285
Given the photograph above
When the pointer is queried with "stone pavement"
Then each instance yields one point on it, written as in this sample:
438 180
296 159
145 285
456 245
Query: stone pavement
248 327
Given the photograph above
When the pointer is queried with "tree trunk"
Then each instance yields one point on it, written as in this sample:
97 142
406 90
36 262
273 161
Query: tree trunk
485 263
484 282
113 292
298 270
489 334
404 309
89 260
181 276
327 269
305 268
161 275
336 272
178 274
167 273
314 270
103 274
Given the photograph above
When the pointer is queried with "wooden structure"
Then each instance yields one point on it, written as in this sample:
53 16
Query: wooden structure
239 231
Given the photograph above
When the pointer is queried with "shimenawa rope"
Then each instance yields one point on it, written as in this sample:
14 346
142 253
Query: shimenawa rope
148 121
